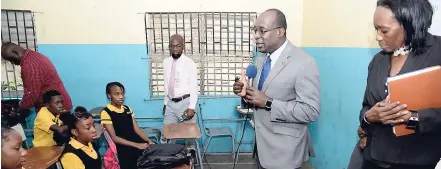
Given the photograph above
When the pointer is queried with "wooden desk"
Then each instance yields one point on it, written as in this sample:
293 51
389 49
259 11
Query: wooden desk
181 131
42 157
184 166
184 131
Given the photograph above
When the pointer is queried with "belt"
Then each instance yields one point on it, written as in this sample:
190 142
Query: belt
178 99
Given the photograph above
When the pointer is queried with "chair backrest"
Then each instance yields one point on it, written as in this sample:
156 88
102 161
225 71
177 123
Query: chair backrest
202 119
96 111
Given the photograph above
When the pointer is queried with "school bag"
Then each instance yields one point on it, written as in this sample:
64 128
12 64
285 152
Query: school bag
165 156
110 157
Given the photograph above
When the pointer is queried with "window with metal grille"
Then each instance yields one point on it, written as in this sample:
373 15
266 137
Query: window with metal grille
17 27
218 42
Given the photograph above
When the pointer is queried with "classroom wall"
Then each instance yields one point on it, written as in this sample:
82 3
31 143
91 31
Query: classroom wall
341 38
94 42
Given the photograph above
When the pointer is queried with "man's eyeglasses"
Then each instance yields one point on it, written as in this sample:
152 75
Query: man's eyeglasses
262 32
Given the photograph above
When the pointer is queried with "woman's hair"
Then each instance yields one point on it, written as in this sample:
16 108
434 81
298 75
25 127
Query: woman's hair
416 18
111 84
78 114
5 131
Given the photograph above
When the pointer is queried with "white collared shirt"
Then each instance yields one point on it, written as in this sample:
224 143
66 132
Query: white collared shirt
186 81
276 54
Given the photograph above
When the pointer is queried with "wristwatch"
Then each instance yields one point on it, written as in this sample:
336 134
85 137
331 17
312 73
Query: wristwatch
413 121
268 104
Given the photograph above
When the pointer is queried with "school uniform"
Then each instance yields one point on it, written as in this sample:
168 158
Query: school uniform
43 135
79 156
122 121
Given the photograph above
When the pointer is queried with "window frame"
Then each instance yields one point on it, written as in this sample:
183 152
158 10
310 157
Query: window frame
11 88
201 48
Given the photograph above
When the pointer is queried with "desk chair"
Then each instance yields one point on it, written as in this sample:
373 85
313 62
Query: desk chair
152 133
96 112
185 131
215 132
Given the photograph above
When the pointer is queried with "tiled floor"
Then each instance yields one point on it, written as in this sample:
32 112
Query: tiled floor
226 162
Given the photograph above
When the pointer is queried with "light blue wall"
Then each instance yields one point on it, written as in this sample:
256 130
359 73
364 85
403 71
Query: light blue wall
86 69
343 73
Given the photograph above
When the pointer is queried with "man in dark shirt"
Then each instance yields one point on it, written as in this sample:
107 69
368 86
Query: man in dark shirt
38 73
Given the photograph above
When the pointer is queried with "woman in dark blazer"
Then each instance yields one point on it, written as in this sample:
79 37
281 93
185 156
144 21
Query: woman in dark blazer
402 33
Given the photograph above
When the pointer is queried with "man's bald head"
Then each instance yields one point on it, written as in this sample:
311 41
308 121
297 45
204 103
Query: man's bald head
278 18
176 46
12 52
178 38
270 30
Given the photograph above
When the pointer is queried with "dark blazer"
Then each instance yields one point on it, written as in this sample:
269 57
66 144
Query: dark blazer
421 148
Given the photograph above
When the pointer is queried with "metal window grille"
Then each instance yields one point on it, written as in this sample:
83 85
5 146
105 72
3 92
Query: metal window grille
17 27
218 42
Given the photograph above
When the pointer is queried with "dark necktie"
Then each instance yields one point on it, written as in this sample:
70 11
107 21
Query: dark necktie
265 71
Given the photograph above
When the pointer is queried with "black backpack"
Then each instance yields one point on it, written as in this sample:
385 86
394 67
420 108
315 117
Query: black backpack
165 156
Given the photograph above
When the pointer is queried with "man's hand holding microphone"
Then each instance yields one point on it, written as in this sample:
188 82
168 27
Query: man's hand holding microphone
246 90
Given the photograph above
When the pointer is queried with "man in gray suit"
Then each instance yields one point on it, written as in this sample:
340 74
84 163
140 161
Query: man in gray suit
287 97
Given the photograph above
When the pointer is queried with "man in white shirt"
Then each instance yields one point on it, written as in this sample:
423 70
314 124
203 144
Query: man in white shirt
180 80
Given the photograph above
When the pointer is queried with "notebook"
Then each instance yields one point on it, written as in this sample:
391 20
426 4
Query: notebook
420 89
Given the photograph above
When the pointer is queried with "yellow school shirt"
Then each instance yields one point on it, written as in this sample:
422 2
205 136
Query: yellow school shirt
43 135
105 117
72 161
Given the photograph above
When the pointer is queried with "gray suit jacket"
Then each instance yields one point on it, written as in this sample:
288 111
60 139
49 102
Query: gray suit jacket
282 135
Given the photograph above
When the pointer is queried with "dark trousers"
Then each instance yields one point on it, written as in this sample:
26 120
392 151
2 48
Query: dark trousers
356 161
370 165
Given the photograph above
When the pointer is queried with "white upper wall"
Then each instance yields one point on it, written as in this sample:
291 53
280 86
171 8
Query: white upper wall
122 22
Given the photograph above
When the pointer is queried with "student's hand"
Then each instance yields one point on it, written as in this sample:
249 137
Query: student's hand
150 142
190 113
142 146
386 112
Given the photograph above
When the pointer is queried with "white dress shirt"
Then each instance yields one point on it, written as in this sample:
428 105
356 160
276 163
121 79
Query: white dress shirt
186 81
276 54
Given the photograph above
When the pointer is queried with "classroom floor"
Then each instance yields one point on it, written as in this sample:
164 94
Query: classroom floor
226 162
